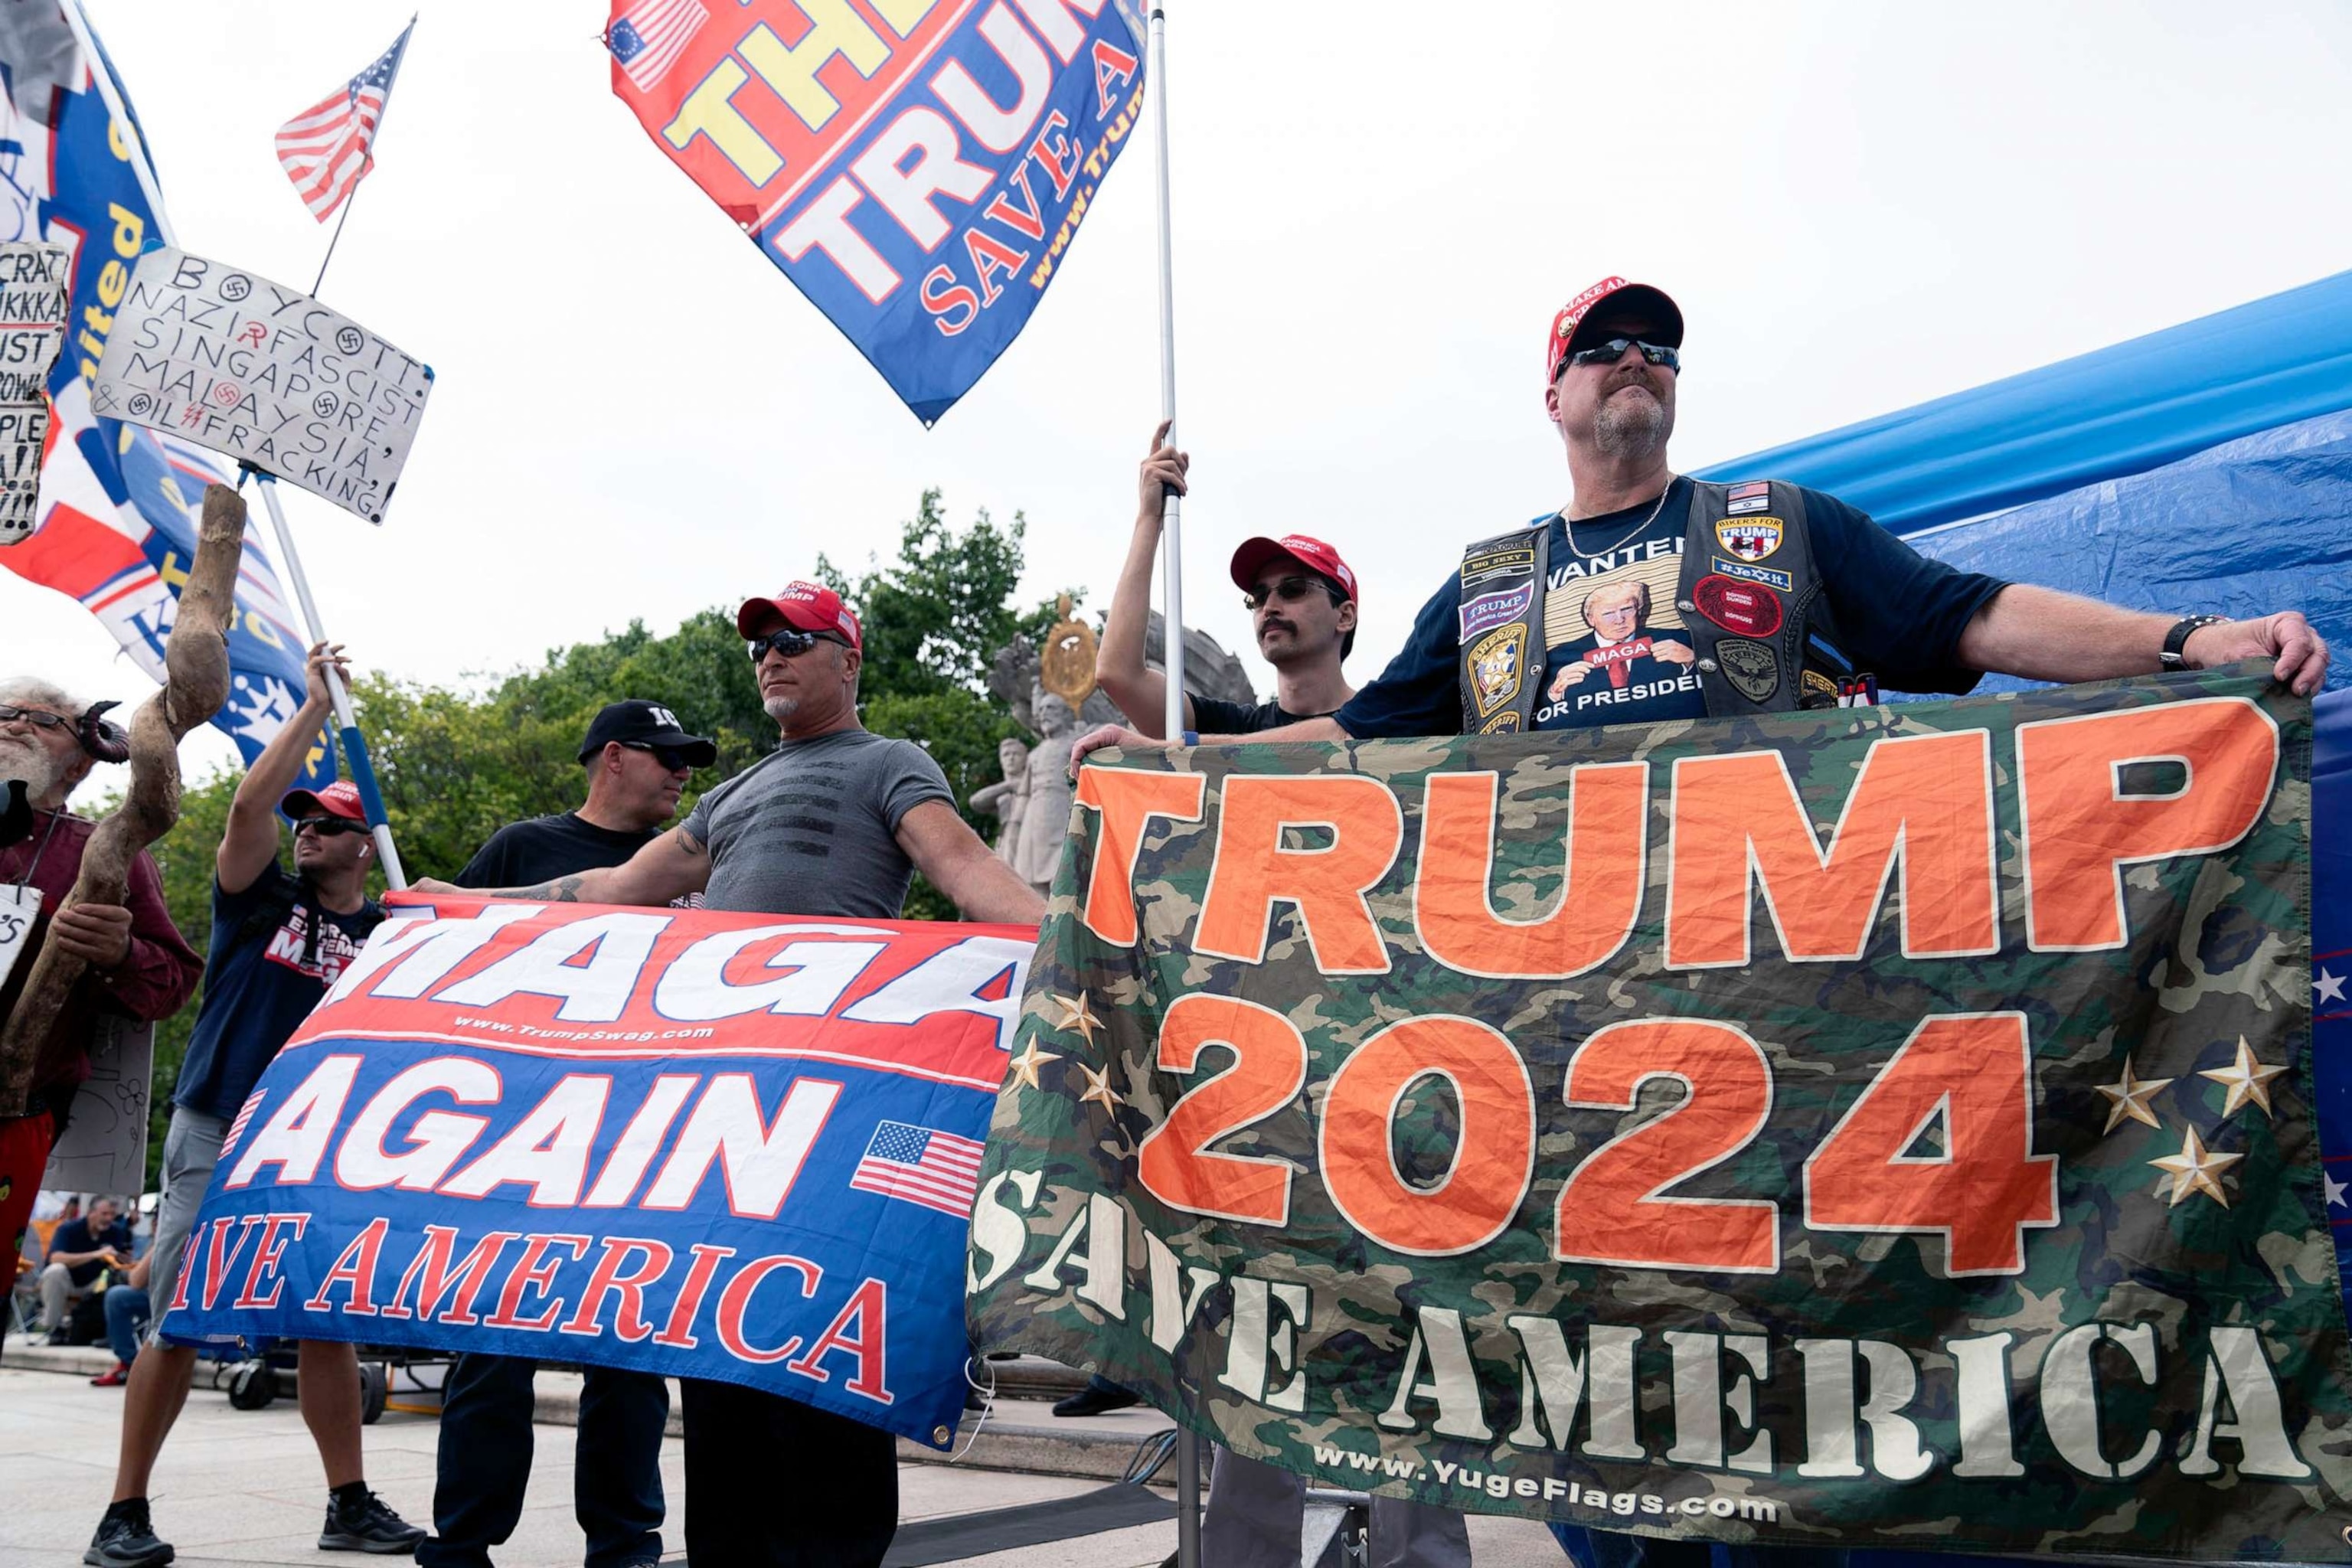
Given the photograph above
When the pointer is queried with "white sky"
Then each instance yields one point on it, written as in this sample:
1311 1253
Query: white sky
1378 207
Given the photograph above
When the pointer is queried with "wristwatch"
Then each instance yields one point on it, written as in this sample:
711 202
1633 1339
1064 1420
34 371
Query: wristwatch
2177 639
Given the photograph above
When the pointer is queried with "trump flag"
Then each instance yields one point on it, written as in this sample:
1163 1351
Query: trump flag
728 1146
917 167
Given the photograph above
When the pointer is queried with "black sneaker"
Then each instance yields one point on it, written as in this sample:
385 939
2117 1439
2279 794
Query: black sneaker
126 1539
364 1524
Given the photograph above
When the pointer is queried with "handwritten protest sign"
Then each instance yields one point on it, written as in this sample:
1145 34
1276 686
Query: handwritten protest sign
231 361
32 328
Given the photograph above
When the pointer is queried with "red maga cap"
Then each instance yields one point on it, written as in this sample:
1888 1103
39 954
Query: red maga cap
340 798
1561 340
1311 553
810 606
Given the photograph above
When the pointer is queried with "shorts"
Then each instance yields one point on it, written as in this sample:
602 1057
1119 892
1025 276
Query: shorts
190 1149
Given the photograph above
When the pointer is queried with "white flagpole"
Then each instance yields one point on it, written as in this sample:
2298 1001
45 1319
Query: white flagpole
354 745
1172 524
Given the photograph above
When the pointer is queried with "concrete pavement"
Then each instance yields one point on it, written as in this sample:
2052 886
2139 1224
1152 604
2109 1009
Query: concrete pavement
244 1487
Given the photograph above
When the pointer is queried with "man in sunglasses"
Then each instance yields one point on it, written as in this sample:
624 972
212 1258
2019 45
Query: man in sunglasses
279 939
639 758
140 966
831 825
1302 602
1748 598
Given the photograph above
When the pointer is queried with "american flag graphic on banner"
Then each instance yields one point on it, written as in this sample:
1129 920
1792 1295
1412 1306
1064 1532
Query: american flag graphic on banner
648 39
325 149
922 1165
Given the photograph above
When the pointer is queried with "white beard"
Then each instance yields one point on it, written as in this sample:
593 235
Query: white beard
30 761
1625 429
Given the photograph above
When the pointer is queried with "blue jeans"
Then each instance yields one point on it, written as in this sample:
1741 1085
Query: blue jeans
127 1313
1612 1549
485 1462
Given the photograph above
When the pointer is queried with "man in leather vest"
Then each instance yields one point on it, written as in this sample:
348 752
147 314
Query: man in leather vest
1680 599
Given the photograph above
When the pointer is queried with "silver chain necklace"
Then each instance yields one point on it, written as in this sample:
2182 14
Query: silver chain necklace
1568 526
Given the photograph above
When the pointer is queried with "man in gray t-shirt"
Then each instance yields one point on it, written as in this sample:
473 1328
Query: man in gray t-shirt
834 823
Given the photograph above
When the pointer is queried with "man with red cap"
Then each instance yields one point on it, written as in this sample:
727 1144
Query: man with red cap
1302 602
833 824
1649 595
279 941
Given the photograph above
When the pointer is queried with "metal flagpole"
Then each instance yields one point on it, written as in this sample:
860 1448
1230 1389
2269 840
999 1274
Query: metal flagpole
1171 567
1171 522
354 745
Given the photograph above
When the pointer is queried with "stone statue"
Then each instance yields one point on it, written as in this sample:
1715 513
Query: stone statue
1033 800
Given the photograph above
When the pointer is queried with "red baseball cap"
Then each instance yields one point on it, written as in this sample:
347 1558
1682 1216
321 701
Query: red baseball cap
1311 553
340 798
1665 316
810 607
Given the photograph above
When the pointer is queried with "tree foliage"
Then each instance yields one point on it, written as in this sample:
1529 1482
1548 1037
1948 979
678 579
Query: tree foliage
456 766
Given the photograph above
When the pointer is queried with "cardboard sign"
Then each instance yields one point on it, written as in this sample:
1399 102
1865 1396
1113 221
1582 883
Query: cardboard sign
273 378
104 1149
32 329
20 907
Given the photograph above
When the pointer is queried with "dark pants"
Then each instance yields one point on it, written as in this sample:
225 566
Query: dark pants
1611 1549
127 1312
484 1463
773 1483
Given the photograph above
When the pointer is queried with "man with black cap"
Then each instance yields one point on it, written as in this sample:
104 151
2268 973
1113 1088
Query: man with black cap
140 966
1302 602
1651 596
833 823
279 941
639 758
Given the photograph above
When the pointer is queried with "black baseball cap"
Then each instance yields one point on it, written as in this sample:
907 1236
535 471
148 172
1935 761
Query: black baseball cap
648 723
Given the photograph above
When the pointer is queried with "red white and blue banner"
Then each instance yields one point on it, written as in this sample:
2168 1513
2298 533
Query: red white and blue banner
119 506
917 167
727 1146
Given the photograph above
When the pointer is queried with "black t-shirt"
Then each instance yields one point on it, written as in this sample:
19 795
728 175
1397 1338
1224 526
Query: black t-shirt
1617 651
1214 716
74 1235
524 853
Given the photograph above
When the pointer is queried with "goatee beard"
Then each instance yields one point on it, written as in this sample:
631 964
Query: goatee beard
29 760
779 708
1629 429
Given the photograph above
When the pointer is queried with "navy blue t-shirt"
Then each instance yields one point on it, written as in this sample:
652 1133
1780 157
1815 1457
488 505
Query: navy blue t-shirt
74 1235
1618 651
262 977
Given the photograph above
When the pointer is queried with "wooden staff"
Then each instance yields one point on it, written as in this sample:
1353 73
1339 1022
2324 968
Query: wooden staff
196 662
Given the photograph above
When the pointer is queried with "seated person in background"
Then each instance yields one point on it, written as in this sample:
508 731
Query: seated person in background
78 1254
127 1314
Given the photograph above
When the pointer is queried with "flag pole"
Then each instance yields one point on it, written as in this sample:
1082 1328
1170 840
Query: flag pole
1171 567
101 74
1172 524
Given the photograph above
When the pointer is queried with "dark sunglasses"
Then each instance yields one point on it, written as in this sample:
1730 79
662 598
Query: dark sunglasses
670 757
329 826
35 716
1289 590
791 641
1614 349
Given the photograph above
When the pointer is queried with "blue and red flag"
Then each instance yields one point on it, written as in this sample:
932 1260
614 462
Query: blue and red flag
119 505
917 167
741 1147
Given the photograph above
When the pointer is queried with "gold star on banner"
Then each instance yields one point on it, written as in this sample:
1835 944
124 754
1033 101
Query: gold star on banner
2245 1078
2197 1169
1076 1015
2129 1097
1098 1088
1025 1065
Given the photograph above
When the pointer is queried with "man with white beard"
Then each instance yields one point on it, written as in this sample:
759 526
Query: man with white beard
140 965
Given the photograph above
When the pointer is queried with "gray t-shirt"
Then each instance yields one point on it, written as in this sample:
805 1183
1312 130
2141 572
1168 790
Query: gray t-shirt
808 829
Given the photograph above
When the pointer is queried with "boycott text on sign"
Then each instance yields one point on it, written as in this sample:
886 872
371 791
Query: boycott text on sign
32 329
228 360
739 1147
1864 1127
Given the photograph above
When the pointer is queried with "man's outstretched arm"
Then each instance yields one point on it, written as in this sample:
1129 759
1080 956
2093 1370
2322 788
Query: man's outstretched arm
668 869
2039 633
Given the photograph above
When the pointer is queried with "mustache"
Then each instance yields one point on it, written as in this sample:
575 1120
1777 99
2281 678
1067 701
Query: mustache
1271 621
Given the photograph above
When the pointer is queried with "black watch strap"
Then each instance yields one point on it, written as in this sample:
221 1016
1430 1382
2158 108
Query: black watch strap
2177 639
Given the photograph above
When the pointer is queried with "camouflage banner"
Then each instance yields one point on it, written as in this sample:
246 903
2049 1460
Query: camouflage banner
1882 1127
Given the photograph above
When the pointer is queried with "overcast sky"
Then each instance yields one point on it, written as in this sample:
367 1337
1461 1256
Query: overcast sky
1378 208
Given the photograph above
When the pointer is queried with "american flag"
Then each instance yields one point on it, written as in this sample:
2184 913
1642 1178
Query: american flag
922 1165
324 149
647 41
